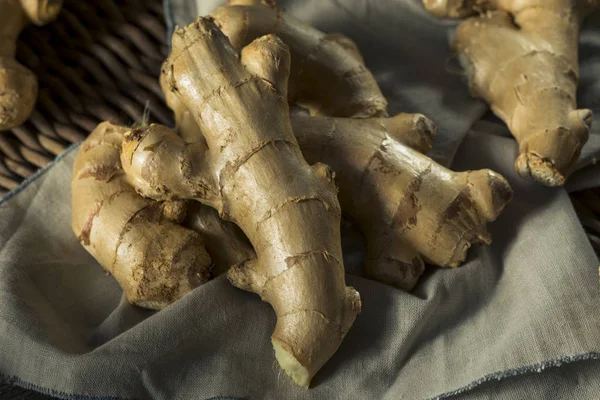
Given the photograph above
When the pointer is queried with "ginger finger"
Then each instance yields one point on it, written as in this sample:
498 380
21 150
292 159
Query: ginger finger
248 166
408 207
521 57
18 85
138 241
328 75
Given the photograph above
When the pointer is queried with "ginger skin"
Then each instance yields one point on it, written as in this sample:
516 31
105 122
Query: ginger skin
18 85
138 241
328 75
224 241
248 166
410 209
521 57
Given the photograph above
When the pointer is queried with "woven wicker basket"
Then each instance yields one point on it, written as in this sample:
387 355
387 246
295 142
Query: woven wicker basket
100 61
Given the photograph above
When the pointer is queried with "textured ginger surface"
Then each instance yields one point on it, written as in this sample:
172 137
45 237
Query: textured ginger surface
521 57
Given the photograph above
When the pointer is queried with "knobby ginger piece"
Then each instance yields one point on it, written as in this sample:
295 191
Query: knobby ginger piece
521 57
18 85
137 240
328 75
410 209
248 166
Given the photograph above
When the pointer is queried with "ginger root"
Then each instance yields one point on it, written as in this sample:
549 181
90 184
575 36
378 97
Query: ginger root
521 57
18 85
328 75
138 241
409 208
248 166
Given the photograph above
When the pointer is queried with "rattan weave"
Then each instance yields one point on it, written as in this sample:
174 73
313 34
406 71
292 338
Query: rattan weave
99 61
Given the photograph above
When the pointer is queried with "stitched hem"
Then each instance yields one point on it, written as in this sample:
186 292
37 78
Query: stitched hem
520 371
37 174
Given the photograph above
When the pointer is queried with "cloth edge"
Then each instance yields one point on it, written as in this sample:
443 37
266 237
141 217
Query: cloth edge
15 381
37 174
539 368
169 21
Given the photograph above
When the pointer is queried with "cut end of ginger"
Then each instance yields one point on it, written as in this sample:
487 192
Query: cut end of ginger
292 367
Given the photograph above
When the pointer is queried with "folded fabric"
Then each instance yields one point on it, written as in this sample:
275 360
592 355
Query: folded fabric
520 315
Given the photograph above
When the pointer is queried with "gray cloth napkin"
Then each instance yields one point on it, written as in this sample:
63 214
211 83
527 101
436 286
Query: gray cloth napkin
522 315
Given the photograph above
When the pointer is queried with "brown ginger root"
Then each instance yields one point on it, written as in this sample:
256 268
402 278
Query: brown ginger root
328 75
409 208
249 167
18 85
137 240
521 57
